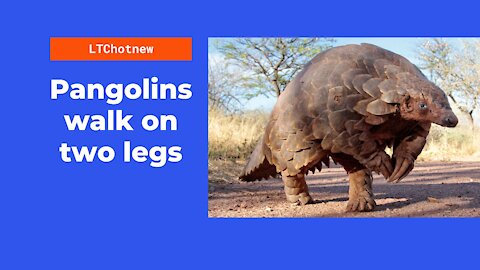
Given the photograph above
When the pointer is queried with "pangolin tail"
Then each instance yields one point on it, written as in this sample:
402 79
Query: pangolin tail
258 167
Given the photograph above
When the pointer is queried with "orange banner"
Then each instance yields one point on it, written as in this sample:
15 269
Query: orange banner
120 49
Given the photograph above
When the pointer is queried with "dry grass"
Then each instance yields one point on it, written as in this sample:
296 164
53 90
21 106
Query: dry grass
224 171
451 144
233 137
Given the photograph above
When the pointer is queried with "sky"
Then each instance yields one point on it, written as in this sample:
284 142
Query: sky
406 47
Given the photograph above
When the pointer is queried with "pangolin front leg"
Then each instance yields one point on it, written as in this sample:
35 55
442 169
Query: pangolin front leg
360 194
296 188
406 151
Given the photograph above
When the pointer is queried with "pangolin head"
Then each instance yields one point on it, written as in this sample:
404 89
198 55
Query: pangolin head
423 101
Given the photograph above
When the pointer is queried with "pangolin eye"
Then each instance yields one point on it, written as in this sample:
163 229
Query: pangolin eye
422 106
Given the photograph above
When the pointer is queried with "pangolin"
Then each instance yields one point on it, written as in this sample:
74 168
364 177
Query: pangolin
349 103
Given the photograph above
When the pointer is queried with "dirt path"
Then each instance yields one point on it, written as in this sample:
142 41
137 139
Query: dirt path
433 189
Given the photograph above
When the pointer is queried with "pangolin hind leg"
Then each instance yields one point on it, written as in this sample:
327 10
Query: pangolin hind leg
296 188
360 194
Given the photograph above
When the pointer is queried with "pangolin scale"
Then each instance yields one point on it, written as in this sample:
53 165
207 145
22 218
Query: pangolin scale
349 103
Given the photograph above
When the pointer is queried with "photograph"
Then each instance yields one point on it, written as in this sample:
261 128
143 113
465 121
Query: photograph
343 127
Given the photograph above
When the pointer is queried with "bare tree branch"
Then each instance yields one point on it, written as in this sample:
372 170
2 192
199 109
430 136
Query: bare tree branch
270 62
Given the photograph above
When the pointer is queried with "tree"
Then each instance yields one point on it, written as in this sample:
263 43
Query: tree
268 64
456 71
222 86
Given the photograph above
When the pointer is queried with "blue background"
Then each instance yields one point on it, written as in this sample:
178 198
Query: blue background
130 216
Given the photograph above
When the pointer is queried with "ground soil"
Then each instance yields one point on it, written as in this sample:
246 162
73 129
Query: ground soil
433 189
